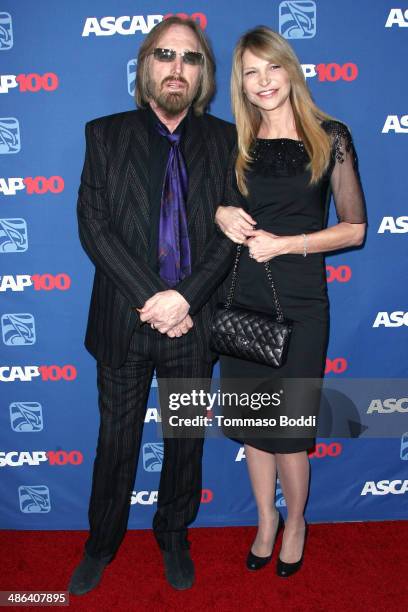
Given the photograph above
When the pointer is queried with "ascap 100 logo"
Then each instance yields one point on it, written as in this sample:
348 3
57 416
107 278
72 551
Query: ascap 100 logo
385 487
404 447
26 417
396 124
129 25
321 450
397 17
280 501
13 236
153 453
297 19
131 76
47 373
152 415
331 72
35 458
338 365
10 141
148 498
388 406
392 319
18 329
32 185
6 32
341 274
32 82
394 225
34 499
39 282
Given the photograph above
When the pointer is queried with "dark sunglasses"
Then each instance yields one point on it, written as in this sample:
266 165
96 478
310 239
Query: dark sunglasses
194 58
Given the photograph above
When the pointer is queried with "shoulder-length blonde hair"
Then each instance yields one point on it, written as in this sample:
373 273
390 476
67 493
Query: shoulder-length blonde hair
206 88
269 45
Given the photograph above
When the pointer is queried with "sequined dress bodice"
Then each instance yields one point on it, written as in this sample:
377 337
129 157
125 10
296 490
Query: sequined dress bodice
283 202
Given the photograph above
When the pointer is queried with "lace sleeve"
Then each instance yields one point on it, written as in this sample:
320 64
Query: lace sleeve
232 195
345 179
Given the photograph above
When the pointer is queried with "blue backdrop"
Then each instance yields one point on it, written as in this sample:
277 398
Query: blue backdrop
65 63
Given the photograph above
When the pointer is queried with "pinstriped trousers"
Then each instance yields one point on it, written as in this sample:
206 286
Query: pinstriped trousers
123 395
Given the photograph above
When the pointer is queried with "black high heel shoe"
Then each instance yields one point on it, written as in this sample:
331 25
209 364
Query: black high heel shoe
284 570
254 562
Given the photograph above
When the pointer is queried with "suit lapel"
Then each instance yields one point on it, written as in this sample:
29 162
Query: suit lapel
137 172
195 151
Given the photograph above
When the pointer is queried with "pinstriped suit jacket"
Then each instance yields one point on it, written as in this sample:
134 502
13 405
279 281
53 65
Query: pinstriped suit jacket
114 216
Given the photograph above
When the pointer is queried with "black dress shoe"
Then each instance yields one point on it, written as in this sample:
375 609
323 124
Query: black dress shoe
284 570
87 575
254 562
179 568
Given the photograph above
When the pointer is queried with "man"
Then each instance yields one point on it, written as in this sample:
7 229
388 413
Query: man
151 182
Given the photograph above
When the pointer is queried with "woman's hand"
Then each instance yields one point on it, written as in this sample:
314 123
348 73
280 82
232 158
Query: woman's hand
263 246
234 222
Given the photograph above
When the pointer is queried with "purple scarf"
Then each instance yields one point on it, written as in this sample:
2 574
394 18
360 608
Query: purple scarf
174 246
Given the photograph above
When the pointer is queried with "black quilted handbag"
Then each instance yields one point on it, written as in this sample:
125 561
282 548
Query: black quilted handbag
248 334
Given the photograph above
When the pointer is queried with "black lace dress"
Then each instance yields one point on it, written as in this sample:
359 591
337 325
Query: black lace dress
282 202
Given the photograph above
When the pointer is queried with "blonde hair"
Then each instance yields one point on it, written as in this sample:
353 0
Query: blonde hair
270 46
206 88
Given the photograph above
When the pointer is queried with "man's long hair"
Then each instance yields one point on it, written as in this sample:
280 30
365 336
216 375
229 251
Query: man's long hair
269 45
206 86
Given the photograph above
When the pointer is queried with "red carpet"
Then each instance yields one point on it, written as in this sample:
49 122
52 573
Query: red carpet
347 566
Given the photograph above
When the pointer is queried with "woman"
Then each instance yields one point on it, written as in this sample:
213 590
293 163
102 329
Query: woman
289 155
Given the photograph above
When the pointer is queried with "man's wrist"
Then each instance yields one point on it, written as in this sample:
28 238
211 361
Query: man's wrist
186 302
184 289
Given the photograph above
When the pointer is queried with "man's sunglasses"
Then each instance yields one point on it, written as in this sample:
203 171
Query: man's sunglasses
194 58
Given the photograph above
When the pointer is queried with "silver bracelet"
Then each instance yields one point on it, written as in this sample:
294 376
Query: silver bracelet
304 245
